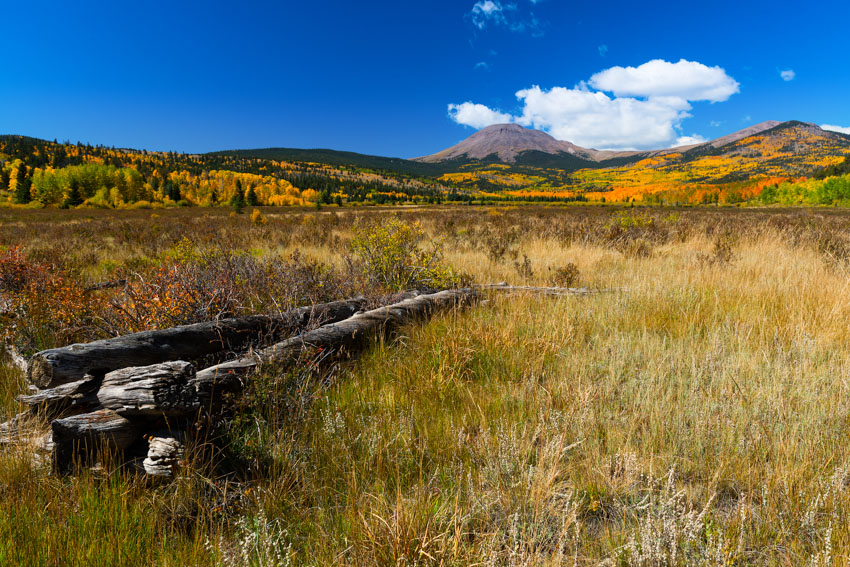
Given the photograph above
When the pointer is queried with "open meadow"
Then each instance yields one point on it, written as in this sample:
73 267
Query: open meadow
696 411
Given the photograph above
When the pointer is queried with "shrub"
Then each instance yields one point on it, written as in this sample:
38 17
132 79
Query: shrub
257 217
524 269
390 255
41 306
566 276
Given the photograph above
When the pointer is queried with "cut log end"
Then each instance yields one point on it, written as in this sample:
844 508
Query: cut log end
40 372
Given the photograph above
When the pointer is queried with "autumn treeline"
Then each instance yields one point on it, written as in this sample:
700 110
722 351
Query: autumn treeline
70 175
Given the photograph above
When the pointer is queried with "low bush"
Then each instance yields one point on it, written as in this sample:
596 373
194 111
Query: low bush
393 255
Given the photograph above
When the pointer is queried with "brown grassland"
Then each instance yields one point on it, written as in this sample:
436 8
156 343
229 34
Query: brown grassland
698 414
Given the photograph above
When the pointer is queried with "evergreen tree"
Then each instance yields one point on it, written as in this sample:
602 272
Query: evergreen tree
74 197
4 180
22 185
59 157
238 200
251 197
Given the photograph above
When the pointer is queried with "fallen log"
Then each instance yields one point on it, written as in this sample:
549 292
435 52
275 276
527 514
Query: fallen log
73 397
15 357
159 390
17 429
545 290
346 335
50 368
81 437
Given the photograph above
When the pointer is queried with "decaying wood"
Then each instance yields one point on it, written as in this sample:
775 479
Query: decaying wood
50 368
83 436
15 357
29 435
346 335
546 290
16 430
156 390
74 397
165 451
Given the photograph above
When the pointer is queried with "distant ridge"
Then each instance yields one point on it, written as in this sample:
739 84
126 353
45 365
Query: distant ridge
339 158
515 144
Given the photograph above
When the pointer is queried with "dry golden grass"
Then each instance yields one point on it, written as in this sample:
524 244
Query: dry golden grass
698 417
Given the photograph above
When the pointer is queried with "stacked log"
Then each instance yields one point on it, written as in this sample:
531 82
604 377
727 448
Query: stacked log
343 337
100 398
53 367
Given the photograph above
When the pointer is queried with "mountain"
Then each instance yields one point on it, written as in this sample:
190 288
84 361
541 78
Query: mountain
505 142
514 144
735 167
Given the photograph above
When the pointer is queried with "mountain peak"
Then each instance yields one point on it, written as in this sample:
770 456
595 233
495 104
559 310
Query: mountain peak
505 142
506 127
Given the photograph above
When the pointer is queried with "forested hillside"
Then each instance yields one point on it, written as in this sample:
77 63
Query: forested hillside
67 175
791 164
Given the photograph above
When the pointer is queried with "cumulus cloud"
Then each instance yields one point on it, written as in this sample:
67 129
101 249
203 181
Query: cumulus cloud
839 129
688 80
481 66
787 74
689 140
596 120
646 110
476 115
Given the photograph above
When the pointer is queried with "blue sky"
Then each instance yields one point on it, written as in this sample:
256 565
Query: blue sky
379 77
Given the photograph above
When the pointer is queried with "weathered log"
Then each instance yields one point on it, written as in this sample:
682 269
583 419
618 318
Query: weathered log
30 435
346 335
17 429
165 450
155 390
84 436
50 368
73 397
546 290
15 357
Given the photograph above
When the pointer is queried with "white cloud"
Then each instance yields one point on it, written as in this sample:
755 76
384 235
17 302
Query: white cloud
493 12
476 115
717 123
833 128
591 118
481 66
603 50
689 80
787 74
488 11
689 140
